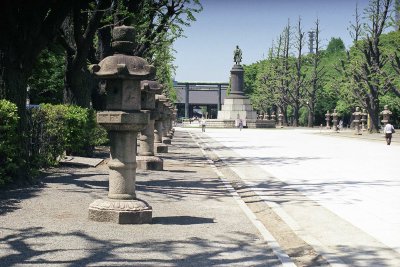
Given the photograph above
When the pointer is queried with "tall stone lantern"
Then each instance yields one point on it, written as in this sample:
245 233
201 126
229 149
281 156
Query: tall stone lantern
273 116
166 136
159 146
327 118
385 115
280 119
357 116
146 159
363 120
123 119
335 117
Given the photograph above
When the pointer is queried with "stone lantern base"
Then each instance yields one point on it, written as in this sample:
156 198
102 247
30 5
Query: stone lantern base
160 148
166 140
149 163
133 211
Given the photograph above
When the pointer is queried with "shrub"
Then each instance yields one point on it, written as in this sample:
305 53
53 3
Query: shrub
10 159
56 129
52 130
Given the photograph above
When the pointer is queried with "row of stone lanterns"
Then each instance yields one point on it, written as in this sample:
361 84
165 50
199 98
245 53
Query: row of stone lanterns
360 119
273 117
134 104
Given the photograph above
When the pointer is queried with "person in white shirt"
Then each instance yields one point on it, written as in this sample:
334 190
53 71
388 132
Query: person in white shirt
203 124
388 130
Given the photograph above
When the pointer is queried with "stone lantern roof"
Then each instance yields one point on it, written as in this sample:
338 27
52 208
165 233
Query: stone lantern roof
122 64
151 86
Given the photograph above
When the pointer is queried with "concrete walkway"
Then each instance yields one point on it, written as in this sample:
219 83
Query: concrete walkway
339 195
198 220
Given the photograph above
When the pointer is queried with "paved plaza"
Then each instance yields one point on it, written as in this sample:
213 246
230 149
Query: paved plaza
339 194
279 197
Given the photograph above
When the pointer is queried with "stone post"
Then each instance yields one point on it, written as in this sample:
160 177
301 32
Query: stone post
280 119
146 159
357 116
159 147
327 118
166 138
363 120
273 116
123 119
385 115
335 117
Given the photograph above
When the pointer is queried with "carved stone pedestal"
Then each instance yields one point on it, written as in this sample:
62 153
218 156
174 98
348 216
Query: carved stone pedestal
133 211
150 162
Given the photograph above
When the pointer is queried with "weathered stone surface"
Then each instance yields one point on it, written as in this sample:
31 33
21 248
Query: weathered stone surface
122 212
160 148
123 120
150 163
166 140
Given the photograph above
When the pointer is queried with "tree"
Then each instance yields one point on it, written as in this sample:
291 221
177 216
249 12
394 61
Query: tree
367 60
78 32
335 45
317 73
295 92
26 28
46 84
158 24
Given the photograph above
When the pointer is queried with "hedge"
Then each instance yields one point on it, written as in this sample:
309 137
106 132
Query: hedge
10 159
53 130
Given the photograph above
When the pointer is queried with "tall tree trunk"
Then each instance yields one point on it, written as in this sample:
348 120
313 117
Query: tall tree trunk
76 90
15 77
310 117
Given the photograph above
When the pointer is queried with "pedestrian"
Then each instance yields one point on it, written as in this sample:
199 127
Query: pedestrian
203 124
340 125
388 130
240 124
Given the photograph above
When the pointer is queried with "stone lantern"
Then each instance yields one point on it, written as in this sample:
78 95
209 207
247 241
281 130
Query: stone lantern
273 116
357 116
335 117
146 159
159 147
327 118
363 120
166 136
280 119
122 74
385 115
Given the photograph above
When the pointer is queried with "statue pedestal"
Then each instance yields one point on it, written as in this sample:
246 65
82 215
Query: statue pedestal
237 105
234 108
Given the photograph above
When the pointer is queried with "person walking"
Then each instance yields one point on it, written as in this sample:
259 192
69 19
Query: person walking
203 124
388 130
240 124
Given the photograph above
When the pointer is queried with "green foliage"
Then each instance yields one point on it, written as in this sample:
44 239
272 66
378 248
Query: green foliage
59 128
335 45
10 159
47 80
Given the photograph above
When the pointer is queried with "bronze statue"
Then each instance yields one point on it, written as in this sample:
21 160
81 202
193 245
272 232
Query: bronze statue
237 55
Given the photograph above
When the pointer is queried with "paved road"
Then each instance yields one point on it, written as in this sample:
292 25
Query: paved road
341 195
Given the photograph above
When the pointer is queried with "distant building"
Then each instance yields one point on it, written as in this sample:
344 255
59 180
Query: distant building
196 99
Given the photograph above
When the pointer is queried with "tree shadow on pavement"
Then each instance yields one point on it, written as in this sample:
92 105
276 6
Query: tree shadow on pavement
10 199
37 246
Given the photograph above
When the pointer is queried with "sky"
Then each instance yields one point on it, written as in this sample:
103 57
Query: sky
206 54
